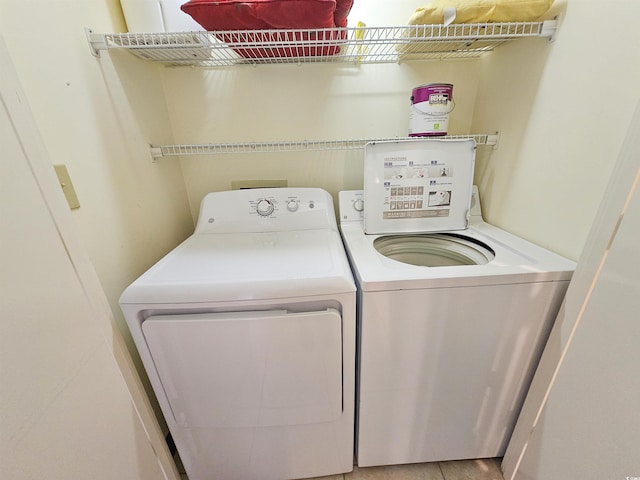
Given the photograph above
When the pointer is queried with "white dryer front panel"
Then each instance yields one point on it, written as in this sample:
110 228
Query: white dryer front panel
249 369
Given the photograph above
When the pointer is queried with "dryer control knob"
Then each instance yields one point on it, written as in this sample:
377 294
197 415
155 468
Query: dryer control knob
292 205
358 205
264 208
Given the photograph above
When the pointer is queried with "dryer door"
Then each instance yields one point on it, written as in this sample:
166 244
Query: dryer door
249 369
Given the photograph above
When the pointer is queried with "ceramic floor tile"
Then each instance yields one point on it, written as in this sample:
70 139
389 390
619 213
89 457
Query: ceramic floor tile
416 471
482 469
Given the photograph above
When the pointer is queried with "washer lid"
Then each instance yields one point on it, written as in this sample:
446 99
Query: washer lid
418 185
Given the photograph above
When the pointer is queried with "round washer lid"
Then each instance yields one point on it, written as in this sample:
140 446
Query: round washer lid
418 185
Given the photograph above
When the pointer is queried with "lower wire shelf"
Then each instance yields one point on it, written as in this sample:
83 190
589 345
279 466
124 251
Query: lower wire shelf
158 151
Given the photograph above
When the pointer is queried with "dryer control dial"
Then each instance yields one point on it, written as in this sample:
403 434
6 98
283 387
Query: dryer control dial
264 207
292 205
358 204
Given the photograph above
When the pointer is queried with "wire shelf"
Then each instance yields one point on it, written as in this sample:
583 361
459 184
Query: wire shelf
293 146
341 45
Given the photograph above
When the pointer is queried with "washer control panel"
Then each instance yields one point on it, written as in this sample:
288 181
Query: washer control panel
266 209
351 206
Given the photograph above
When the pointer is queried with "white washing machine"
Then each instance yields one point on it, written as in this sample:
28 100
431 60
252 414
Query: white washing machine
247 333
450 324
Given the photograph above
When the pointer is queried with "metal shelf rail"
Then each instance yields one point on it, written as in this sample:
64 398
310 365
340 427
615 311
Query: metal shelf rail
158 151
356 45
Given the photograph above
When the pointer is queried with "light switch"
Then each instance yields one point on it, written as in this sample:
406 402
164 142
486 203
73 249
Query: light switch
67 186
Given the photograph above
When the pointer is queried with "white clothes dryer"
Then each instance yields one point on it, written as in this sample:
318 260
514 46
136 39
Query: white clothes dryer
451 324
247 333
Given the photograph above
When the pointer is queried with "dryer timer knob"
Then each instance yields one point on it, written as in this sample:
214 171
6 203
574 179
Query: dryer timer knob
358 205
264 208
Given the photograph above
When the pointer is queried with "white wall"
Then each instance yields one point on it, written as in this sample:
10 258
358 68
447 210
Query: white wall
561 109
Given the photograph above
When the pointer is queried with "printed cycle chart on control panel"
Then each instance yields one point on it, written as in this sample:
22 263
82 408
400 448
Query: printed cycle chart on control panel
415 189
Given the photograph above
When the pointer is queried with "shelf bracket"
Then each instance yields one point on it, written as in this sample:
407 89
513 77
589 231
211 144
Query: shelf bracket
493 140
156 152
96 42
549 29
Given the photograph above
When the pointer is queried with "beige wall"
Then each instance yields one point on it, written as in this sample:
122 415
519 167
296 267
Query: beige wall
71 404
132 209
562 110
582 404
304 102
560 107
308 102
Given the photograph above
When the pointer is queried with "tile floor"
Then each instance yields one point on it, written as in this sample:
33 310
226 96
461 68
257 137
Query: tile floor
484 469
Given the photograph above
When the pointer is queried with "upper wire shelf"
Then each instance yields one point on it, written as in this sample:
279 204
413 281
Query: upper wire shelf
333 45
294 146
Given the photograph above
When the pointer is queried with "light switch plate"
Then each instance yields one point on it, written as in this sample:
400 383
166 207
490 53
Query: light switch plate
67 186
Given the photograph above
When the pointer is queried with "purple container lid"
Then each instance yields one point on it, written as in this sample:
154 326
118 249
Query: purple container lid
421 94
